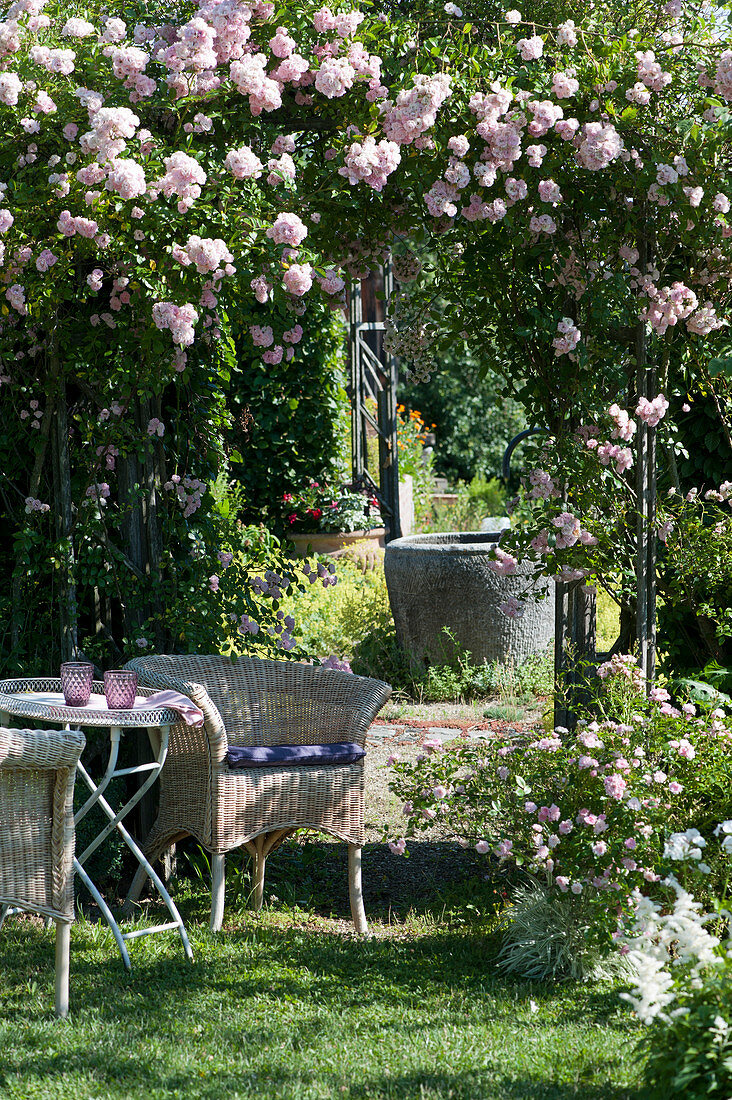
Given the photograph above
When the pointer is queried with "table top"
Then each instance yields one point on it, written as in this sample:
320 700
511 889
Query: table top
43 699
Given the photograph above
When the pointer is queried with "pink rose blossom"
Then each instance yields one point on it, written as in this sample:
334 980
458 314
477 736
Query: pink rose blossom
530 48
615 786
298 279
288 229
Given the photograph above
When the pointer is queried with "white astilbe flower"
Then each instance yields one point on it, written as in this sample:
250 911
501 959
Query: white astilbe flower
660 944
653 985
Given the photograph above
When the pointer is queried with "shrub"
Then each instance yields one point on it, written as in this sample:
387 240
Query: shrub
607 627
337 619
289 423
585 812
475 418
475 501
682 988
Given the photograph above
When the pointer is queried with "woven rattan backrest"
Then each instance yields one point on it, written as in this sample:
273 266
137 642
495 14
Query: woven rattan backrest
37 771
292 703
271 702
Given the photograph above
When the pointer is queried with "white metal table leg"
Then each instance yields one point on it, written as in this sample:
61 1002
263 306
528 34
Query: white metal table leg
106 913
160 744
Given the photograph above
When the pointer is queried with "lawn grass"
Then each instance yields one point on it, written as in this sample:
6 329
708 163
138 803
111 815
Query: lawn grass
289 1004
608 621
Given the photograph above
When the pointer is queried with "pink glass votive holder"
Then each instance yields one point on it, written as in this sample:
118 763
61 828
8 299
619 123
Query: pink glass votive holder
76 682
120 689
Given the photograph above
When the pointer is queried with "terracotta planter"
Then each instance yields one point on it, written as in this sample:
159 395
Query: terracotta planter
333 542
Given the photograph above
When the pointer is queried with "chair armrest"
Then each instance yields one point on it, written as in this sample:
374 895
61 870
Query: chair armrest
40 749
215 729
365 698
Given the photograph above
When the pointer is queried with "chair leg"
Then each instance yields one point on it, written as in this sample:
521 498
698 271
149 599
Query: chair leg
260 862
218 887
63 945
133 894
354 890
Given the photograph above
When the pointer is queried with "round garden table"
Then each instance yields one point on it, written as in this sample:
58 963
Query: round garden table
42 699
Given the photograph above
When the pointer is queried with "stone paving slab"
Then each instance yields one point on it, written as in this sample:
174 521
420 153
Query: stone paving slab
382 732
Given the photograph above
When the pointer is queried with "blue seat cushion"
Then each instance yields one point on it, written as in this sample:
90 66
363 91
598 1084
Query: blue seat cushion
278 756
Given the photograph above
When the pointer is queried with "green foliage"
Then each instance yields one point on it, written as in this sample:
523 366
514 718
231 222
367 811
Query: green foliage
689 1053
695 620
697 625
352 620
712 688
472 423
290 421
335 620
708 455
593 534
417 461
516 686
607 627
475 501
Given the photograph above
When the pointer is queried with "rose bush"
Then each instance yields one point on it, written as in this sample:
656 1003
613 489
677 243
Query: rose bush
158 167
576 517
587 813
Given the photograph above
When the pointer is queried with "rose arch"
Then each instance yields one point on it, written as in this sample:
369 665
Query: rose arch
553 191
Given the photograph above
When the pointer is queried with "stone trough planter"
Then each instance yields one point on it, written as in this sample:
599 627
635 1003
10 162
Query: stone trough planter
443 580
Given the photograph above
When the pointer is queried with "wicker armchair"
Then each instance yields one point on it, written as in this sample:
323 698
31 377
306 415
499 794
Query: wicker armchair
251 702
37 772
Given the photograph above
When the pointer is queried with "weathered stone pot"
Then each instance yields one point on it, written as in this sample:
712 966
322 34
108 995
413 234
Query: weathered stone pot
332 542
443 580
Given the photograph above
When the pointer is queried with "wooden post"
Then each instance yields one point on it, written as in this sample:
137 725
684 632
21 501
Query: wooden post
68 610
574 648
150 517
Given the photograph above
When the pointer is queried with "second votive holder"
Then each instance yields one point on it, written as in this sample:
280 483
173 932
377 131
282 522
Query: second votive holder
120 689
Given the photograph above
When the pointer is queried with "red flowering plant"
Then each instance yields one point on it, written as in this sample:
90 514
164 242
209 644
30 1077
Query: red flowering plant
321 507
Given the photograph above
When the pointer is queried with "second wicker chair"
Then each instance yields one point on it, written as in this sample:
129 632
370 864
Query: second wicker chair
37 773
251 702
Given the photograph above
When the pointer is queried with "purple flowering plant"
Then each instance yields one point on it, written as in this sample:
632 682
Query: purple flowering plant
232 600
587 813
